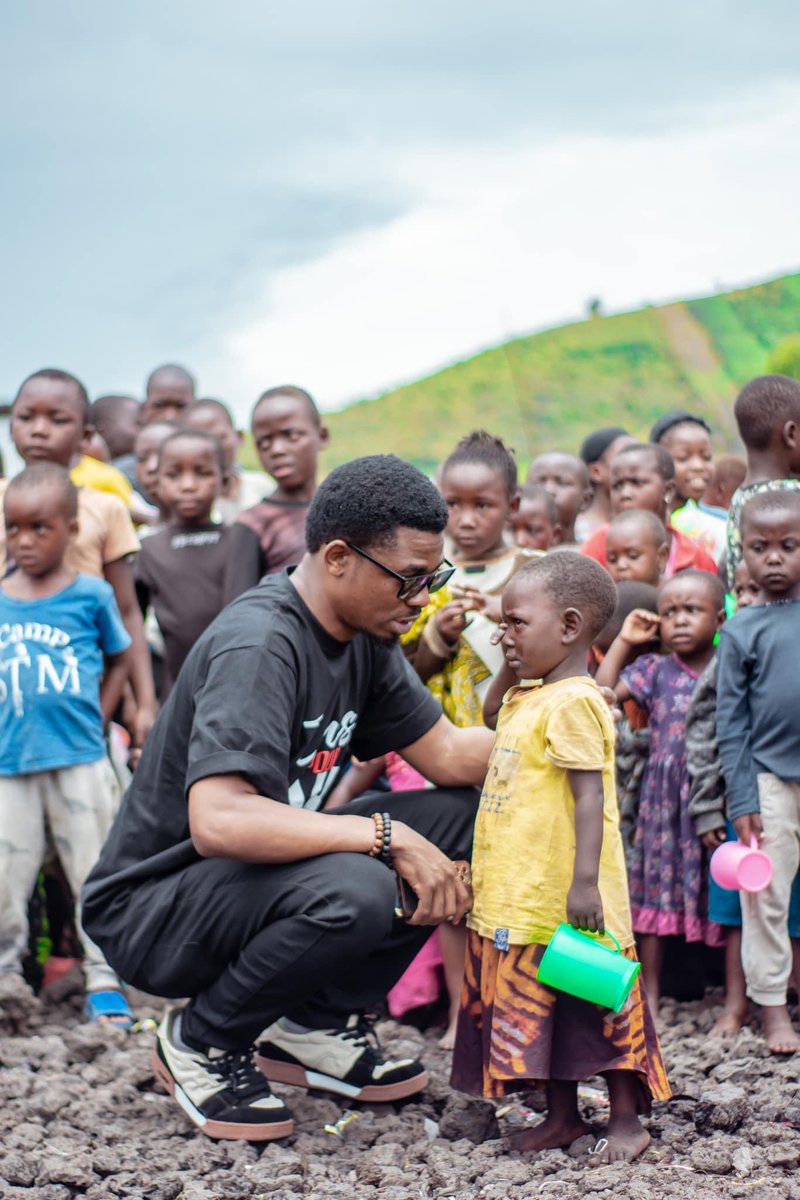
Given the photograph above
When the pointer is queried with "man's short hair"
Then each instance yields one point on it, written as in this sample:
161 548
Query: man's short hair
763 404
367 500
58 376
488 451
295 393
47 475
186 433
642 517
575 581
662 461
780 499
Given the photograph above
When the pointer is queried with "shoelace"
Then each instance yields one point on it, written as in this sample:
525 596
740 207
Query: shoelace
363 1033
238 1072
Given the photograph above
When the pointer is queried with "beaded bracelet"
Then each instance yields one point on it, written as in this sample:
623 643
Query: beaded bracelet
386 850
382 846
376 850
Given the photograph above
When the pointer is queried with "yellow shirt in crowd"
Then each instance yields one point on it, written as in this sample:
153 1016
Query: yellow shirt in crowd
524 850
101 477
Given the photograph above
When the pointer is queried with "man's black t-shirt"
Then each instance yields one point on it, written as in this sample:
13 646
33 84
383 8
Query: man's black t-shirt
268 694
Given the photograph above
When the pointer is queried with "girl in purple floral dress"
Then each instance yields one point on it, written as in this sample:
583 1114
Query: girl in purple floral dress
668 876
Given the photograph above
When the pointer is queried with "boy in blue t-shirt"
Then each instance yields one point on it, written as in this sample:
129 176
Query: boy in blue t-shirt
62 672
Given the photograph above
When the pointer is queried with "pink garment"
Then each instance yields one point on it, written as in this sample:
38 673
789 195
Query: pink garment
421 982
401 775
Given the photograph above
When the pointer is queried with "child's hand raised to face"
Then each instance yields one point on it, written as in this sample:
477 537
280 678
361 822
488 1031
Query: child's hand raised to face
640 627
451 619
490 606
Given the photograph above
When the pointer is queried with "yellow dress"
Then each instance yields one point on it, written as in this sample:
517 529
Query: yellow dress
524 850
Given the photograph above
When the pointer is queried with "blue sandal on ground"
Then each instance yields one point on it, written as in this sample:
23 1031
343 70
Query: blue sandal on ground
109 1008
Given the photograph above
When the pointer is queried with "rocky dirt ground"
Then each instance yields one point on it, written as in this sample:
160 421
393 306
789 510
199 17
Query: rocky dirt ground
80 1118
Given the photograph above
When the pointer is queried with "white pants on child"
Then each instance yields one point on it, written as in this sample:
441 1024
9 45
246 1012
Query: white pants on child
766 948
72 809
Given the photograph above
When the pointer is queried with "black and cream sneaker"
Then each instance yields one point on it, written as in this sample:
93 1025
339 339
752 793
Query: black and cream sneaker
350 1062
221 1091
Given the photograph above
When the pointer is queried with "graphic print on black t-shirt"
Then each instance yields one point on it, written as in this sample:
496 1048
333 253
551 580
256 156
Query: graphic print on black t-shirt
325 762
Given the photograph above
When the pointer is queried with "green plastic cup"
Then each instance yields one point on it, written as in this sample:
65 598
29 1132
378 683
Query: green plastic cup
575 963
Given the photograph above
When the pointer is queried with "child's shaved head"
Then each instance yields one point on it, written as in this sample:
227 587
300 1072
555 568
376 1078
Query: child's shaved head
47 477
763 406
574 581
54 375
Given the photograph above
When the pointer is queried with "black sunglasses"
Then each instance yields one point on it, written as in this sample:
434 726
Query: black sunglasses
411 585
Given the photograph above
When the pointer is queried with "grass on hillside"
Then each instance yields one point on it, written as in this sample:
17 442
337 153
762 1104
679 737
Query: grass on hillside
550 389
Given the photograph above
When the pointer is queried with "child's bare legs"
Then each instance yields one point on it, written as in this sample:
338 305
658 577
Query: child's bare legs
732 1017
625 1137
453 940
652 948
561 1127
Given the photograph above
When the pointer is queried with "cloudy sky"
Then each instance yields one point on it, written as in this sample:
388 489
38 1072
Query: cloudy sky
349 195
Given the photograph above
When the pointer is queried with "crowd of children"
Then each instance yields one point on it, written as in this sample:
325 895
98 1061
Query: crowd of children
599 581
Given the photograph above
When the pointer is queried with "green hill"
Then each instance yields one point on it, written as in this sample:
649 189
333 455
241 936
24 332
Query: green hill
550 389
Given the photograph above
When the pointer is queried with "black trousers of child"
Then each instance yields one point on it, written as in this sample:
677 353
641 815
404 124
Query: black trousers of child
314 940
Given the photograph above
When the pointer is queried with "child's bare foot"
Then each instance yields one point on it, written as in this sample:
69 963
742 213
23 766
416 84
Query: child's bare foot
624 1140
553 1133
728 1023
778 1029
448 1039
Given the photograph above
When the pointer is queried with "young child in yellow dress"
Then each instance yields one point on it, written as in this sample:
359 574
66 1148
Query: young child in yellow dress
548 850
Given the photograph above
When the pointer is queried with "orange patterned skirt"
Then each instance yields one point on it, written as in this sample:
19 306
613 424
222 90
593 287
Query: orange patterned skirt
514 1032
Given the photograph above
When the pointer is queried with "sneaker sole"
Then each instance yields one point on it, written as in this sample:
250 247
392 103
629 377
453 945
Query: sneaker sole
296 1075
218 1129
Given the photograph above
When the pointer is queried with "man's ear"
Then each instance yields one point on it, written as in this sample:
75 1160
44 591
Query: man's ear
596 470
720 618
571 625
669 491
338 558
324 436
514 503
86 437
789 434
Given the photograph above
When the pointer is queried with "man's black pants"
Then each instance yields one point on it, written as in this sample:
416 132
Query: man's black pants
314 940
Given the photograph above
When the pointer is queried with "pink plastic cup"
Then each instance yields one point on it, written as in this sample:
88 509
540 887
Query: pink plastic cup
738 867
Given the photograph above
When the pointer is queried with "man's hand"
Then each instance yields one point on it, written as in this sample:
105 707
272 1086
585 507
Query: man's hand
713 838
442 895
585 908
748 827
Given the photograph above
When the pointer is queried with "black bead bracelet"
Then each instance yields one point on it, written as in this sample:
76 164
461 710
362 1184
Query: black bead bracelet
386 850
